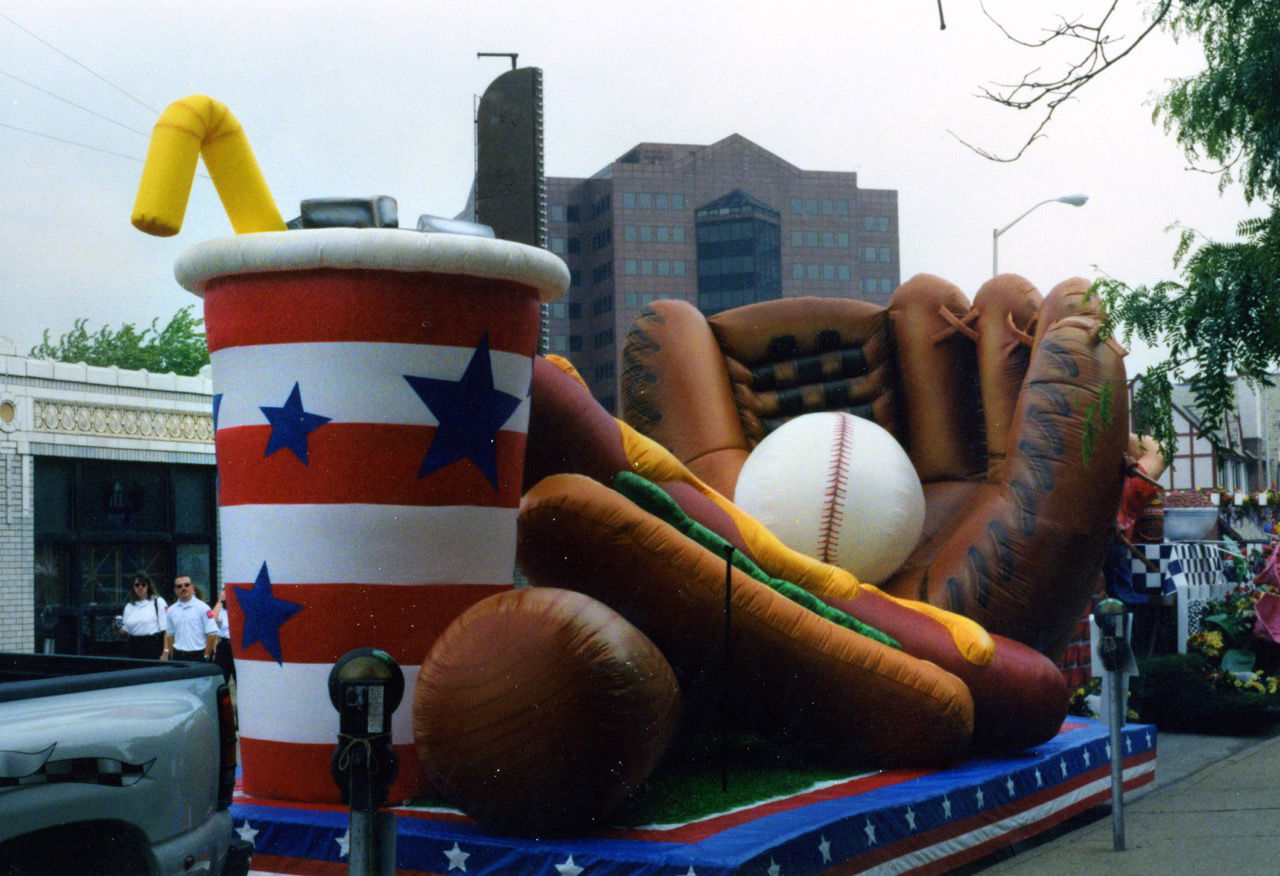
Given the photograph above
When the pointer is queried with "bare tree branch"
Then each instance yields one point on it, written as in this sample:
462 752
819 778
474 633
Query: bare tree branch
1050 92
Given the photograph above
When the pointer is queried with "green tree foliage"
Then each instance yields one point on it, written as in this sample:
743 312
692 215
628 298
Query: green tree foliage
1222 317
178 347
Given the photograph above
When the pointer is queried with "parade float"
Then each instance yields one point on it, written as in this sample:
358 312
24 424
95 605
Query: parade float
390 448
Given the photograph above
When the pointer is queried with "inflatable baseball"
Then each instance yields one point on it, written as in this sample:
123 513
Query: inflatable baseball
838 488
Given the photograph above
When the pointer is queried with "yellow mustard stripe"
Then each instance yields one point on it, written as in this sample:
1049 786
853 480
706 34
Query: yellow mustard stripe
974 643
201 126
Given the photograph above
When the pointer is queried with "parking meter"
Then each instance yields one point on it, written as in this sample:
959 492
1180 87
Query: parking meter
1112 647
365 686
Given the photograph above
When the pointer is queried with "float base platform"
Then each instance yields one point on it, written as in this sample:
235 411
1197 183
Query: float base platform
885 822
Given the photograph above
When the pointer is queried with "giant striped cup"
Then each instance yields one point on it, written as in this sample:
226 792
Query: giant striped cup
370 406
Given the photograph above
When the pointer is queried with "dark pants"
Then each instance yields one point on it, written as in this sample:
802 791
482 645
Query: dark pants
195 656
146 647
222 656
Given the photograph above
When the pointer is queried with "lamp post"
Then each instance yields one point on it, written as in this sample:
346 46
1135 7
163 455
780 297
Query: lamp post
1073 200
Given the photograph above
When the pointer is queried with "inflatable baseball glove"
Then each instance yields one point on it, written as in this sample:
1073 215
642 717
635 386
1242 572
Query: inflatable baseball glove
992 402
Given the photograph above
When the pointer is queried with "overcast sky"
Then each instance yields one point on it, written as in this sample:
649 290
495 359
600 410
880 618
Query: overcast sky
342 98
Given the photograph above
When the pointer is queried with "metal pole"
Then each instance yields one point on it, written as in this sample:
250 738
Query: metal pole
1117 758
360 844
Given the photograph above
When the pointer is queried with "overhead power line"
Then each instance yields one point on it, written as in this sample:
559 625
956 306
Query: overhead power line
85 67
83 145
70 142
72 103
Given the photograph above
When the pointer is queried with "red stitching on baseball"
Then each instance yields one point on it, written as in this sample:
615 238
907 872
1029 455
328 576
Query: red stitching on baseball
837 483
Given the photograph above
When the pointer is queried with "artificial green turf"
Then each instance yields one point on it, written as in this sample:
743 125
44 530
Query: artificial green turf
687 785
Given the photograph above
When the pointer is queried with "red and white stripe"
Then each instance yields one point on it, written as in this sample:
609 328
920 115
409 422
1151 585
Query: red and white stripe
376 555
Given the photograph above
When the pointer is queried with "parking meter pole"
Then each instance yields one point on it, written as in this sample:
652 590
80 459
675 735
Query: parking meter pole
1115 655
1117 759
361 844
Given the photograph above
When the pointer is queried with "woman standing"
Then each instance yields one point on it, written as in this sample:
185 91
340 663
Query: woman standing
143 616
222 656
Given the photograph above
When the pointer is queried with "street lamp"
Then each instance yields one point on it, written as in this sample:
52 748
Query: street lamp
1073 200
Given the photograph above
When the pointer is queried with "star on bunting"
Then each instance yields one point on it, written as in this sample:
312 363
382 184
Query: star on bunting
457 858
290 425
470 411
264 614
568 868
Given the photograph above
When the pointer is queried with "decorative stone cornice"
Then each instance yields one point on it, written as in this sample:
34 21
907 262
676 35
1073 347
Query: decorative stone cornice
71 418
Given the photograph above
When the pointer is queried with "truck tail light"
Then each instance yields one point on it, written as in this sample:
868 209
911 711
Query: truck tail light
226 747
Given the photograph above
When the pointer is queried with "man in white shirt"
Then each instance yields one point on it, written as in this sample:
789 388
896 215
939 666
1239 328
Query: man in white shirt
190 632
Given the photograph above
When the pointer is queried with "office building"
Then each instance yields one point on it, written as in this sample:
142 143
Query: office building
719 226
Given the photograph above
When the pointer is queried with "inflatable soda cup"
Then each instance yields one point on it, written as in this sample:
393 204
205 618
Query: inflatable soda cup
370 410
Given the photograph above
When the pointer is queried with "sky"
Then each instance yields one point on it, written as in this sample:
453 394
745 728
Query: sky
347 99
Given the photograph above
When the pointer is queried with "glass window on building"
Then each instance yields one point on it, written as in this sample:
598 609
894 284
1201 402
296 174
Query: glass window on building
629 199
99 522
644 200
739 252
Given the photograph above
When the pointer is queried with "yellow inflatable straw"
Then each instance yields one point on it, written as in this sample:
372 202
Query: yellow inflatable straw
201 125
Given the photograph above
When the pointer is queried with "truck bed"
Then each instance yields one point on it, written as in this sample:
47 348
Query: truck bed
23 676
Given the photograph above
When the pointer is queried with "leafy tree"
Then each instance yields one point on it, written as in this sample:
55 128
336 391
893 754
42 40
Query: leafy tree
178 347
1222 316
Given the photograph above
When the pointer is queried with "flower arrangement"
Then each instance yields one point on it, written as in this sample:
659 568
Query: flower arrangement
1229 679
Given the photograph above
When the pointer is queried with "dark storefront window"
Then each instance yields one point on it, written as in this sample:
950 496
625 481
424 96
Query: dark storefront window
98 523
739 253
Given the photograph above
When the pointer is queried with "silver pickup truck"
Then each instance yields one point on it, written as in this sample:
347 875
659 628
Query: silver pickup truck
115 766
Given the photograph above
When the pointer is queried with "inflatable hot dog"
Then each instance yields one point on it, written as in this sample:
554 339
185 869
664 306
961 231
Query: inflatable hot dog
1019 697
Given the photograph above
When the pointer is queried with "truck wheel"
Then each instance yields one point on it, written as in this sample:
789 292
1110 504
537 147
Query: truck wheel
112 848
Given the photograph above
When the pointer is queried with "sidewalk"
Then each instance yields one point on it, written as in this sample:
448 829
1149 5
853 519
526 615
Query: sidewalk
1214 807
